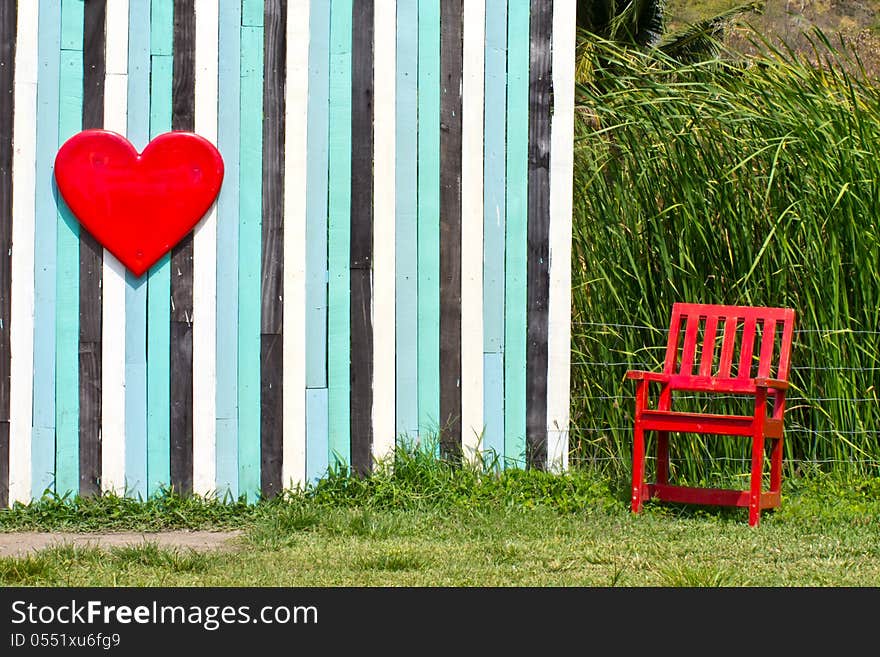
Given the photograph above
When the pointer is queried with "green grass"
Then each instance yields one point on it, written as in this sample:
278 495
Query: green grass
426 523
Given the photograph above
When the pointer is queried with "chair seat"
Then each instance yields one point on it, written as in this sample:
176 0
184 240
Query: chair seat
731 425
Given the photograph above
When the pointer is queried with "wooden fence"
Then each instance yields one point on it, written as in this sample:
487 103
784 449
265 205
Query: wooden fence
388 258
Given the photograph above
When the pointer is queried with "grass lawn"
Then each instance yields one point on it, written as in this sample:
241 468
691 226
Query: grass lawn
426 524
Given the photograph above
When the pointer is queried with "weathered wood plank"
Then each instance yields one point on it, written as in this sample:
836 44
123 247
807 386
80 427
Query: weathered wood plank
406 226
91 256
428 245
361 252
473 72
7 105
384 263
271 392
250 185
21 338
274 73
272 272
338 238
494 219
228 135
361 373
45 250
451 68
205 261
515 239
540 60
294 349
182 118
181 447
561 200
113 285
138 133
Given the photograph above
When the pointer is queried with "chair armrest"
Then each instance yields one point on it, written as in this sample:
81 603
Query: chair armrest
776 384
641 375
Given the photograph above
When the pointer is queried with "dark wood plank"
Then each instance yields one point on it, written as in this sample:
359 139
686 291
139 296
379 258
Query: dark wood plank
274 73
271 420
182 118
90 418
538 266
181 408
451 64
91 266
7 87
361 393
361 254
272 262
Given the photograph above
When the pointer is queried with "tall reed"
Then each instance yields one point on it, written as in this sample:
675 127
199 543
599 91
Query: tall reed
738 182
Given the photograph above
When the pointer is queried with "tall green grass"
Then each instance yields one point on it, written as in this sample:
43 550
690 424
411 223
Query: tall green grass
738 182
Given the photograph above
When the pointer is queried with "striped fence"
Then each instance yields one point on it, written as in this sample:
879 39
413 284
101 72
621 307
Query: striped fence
388 258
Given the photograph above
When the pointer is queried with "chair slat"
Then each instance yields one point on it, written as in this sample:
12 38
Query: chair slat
690 344
727 347
672 342
708 352
785 347
765 360
746 348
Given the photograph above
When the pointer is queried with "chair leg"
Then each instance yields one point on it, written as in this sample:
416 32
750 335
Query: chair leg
663 457
757 474
776 465
638 466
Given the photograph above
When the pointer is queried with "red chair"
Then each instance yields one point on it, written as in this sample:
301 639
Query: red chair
695 364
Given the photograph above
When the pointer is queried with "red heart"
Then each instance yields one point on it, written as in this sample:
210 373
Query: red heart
138 206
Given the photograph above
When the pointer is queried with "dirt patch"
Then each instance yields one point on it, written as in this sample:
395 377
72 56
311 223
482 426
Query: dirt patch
18 544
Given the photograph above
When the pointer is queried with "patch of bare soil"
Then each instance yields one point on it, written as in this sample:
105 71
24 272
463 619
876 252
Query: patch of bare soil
19 544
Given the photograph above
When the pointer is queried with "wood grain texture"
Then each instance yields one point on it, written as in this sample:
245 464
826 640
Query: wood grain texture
451 68
271 390
7 106
361 373
181 408
272 271
182 118
361 251
274 73
540 60
91 256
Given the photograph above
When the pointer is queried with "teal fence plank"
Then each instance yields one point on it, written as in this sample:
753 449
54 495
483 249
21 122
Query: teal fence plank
228 129
429 217
406 233
67 263
45 245
339 231
516 236
249 262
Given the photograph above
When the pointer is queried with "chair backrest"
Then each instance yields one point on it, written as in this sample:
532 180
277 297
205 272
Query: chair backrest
729 342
